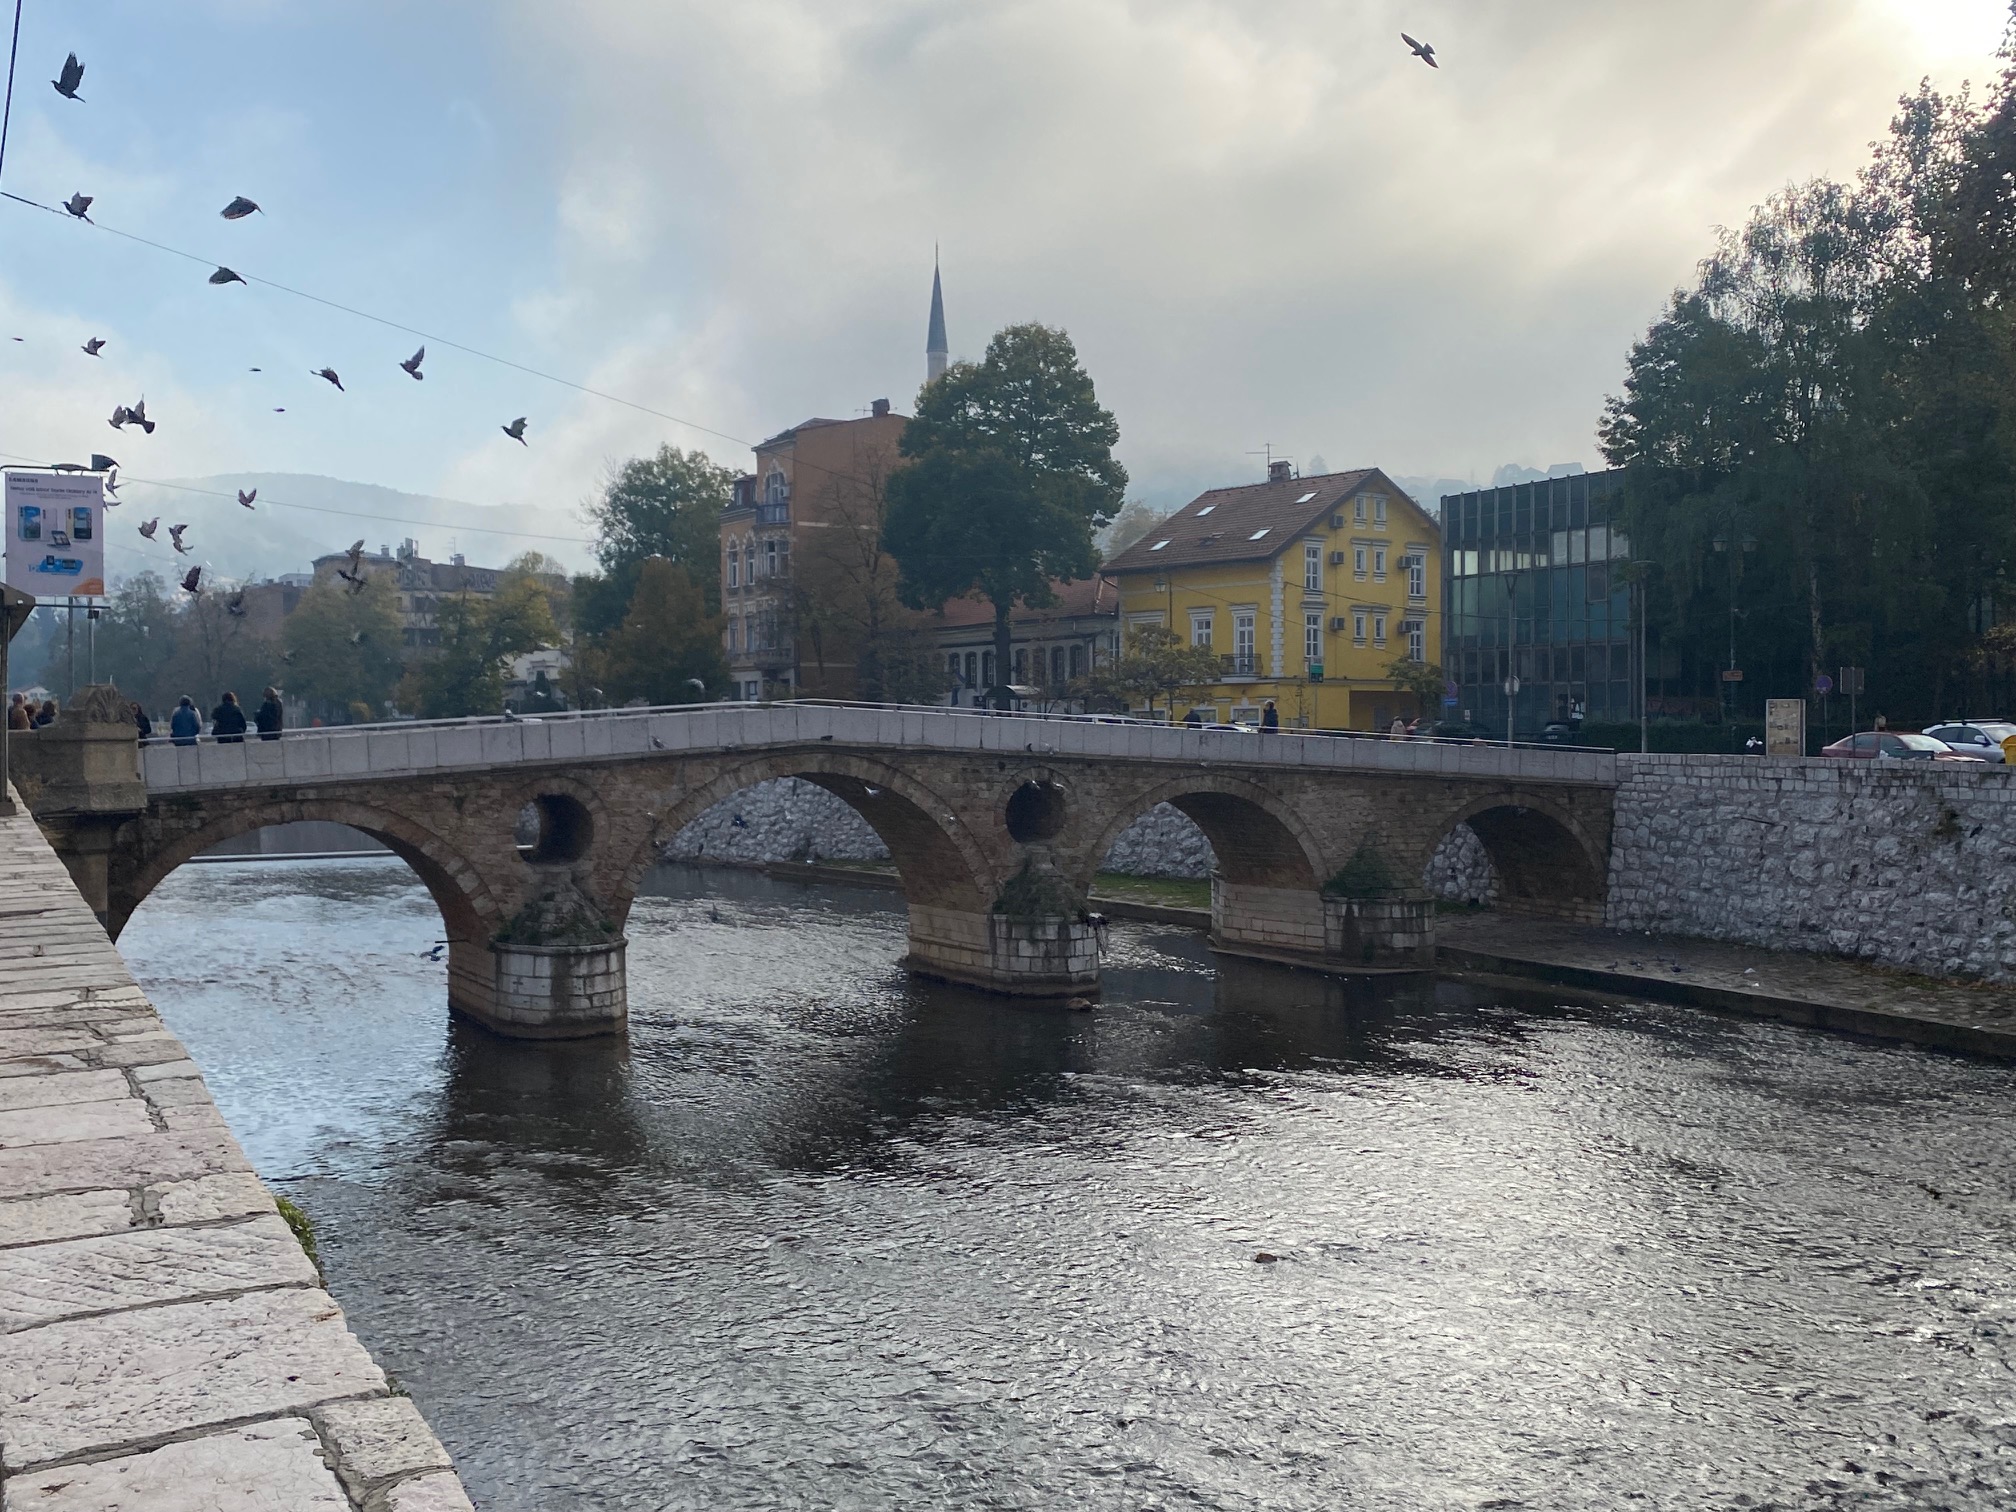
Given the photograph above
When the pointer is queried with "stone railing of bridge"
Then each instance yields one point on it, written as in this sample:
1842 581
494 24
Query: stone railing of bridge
997 824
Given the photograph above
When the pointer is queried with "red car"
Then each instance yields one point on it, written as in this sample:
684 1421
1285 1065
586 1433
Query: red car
1893 745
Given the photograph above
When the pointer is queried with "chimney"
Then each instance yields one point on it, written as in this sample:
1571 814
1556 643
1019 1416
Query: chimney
1280 472
879 408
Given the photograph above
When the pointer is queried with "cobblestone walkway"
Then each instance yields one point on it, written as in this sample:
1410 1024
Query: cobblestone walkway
165 1345
1825 991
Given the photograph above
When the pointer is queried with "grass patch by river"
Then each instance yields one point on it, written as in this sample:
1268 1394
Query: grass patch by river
1169 892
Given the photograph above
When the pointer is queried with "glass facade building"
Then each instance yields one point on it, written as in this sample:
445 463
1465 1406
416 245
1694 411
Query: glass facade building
1532 589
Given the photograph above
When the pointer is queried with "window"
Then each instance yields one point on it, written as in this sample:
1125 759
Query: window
1417 640
1312 637
732 637
1022 665
1358 629
1077 661
972 669
775 489
734 568
1379 563
1262 531
784 556
1306 497
1358 561
1200 627
1358 509
1158 545
748 561
1057 666
952 666
1417 575
770 558
1378 509
1312 566
1378 629
1205 510
1242 642
987 668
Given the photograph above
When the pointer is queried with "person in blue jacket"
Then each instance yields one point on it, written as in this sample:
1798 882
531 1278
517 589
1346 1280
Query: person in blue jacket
185 724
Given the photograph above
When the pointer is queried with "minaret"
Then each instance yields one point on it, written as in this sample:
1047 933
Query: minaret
936 354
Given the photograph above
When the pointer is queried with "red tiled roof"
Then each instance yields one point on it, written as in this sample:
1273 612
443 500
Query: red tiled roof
1086 596
1221 524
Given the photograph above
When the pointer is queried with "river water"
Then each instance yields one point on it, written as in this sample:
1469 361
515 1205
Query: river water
821 1236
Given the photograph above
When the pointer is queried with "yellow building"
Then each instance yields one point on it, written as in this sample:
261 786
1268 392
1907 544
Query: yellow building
1308 589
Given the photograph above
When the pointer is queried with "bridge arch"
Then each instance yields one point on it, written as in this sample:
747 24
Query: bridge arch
1547 863
941 863
469 910
1258 839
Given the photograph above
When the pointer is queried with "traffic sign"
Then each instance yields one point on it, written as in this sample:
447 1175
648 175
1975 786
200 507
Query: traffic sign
1732 674
1823 685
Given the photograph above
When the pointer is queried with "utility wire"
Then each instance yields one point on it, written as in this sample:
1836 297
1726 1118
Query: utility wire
7 115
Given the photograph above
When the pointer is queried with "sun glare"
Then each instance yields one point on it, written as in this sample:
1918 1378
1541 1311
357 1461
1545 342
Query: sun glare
1957 30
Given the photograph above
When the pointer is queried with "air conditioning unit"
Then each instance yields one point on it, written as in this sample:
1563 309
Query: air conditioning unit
1338 623
1336 559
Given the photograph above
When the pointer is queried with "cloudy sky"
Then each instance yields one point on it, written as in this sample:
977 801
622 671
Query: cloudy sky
1262 221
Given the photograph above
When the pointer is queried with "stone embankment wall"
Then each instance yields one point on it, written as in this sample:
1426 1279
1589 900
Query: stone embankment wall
167 1342
793 820
1902 863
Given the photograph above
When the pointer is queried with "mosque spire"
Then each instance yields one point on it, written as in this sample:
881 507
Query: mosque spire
936 352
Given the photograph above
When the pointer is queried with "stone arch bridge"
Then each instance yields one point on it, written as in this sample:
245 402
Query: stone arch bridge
996 824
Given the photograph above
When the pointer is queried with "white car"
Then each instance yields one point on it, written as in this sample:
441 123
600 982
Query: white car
1975 737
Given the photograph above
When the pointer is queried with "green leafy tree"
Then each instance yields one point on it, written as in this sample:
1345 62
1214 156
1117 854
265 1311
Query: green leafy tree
1156 666
479 636
1424 680
343 649
669 506
1011 469
666 644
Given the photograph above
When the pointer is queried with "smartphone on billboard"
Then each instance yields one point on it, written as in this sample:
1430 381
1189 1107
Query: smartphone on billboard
31 522
80 523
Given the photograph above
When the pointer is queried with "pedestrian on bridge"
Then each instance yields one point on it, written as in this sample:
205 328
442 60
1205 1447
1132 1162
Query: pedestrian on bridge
227 721
143 724
268 716
1270 719
185 724
48 715
18 717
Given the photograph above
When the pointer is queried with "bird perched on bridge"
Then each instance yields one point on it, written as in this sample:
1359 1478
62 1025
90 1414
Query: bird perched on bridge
224 275
192 580
148 527
94 346
238 209
412 364
235 606
1421 50
330 375
77 204
515 430
246 498
66 82
175 535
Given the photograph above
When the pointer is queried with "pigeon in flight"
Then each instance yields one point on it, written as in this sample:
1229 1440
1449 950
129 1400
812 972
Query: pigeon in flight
354 574
412 364
247 498
238 209
111 492
255 370
120 415
279 409
330 374
356 637
225 276
94 346
1421 50
77 204
148 527
175 535
515 430
192 580
235 607
137 415
73 75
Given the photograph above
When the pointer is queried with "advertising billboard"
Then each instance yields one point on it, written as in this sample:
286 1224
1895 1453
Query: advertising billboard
56 534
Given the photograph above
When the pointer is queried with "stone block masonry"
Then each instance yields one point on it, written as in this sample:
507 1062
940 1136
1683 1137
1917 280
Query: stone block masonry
165 1344
1905 864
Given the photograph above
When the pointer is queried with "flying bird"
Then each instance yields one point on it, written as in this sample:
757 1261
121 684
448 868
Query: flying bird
354 574
515 430
356 637
330 374
120 415
412 364
72 76
235 606
255 370
92 347
175 535
77 204
238 209
279 409
225 276
137 415
112 492
1421 50
247 498
147 528
192 580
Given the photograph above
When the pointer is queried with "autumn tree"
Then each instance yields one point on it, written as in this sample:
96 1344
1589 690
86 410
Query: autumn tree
479 636
1156 665
343 648
668 505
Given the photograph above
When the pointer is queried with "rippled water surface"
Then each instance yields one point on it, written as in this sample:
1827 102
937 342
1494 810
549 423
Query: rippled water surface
822 1236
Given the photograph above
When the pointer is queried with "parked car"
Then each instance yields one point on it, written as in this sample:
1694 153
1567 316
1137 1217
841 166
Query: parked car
1893 745
1975 737
1454 729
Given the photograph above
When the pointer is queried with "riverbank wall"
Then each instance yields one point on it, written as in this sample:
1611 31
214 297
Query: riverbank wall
168 1342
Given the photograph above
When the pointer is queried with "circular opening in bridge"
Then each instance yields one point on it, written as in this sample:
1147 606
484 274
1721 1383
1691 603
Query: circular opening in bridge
554 828
1035 811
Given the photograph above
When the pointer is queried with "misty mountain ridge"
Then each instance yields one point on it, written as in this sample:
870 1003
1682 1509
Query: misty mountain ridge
300 516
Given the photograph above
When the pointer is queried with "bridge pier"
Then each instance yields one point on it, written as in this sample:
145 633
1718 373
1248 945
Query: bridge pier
1395 932
541 991
1036 956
